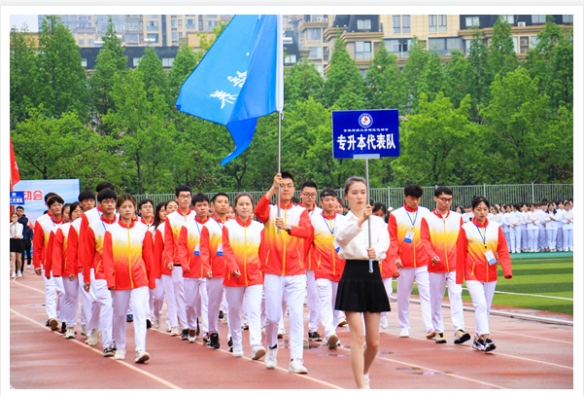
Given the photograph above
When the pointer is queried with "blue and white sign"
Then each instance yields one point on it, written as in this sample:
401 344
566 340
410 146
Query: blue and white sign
16 197
365 134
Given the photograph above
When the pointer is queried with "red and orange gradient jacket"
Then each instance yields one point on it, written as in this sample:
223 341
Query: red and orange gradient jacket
439 238
189 252
241 245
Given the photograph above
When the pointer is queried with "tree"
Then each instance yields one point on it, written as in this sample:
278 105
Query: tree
110 60
384 81
154 76
478 75
60 81
501 56
412 77
301 82
183 66
455 86
556 149
432 77
22 72
342 73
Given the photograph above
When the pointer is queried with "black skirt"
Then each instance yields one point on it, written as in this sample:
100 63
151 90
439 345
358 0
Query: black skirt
16 245
360 291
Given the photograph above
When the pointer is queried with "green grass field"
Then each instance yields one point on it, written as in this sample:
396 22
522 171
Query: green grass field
534 282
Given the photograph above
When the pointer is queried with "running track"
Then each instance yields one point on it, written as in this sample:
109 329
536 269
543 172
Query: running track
529 355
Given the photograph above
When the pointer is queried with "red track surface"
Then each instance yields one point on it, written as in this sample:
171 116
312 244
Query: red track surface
529 355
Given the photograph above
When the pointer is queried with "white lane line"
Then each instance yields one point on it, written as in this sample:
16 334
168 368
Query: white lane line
533 360
532 295
529 336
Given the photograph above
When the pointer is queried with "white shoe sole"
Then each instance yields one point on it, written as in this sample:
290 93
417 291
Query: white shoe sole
142 358
259 353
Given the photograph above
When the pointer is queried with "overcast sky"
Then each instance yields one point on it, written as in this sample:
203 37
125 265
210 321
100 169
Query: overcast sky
19 20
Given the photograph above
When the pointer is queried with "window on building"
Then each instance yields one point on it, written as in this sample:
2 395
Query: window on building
190 24
290 59
84 62
210 25
509 19
135 62
174 23
313 34
405 23
567 18
524 44
168 62
211 16
81 41
364 23
396 24
132 26
132 38
467 46
89 41
65 19
319 68
364 72
153 37
152 25
538 19
398 47
533 41
472 21
175 36
318 18
363 50
152 16
326 54
445 46
432 23
200 24
442 23
316 53
515 40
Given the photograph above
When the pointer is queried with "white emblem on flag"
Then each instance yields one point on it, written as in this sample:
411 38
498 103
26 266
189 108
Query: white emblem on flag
239 80
224 97
365 120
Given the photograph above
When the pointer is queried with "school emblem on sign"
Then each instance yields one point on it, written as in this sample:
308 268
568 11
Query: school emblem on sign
365 120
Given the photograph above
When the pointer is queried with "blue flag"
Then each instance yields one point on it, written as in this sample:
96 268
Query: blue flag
239 79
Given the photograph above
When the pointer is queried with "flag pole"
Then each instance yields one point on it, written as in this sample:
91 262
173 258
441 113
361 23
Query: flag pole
371 265
279 163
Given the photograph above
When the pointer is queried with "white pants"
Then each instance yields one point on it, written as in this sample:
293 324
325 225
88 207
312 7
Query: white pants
294 288
50 296
507 235
405 285
524 233
515 239
482 294
88 304
196 297
551 238
388 287
327 290
172 306
559 241
437 281
235 296
137 300
105 311
179 288
568 239
312 301
71 305
60 290
542 237
533 240
214 298
156 299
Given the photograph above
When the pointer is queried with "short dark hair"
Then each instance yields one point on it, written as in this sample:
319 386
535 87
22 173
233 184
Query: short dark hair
86 194
181 189
19 207
295 200
199 197
378 206
413 190
106 193
103 185
287 175
310 184
443 190
74 205
168 202
219 194
145 201
477 200
49 195
328 192
53 199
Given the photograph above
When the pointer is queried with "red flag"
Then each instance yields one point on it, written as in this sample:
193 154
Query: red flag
14 173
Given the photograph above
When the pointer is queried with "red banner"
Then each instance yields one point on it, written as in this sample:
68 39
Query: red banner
14 173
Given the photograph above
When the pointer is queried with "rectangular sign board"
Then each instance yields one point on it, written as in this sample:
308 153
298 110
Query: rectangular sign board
365 133
16 197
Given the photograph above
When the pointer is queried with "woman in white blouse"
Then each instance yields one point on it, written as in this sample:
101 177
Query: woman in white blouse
16 245
361 292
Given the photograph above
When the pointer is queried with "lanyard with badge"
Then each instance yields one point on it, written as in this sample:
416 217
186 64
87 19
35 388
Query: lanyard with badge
410 234
331 228
197 252
489 255
219 245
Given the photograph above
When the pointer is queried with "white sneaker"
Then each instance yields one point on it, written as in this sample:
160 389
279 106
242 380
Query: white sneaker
270 360
384 322
332 341
13 275
70 333
175 331
296 367
141 356
404 333
156 323
19 274
366 381
83 330
92 338
257 352
238 353
120 354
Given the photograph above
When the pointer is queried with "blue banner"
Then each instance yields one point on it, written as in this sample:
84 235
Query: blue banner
16 197
35 190
365 133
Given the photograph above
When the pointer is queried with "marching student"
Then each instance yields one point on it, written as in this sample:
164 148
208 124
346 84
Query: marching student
212 259
327 263
43 227
380 210
157 294
173 224
542 243
481 245
27 236
146 212
340 206
515 228
439 233
127 262
568 227
361 294
94 278
407 252
64 272
388 269
524 227
166 274
241 239
550 220
532 229
16 245
194 272
286 229
308 201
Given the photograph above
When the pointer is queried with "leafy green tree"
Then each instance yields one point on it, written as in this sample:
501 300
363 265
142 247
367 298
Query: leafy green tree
478 75
501 55
60 82
183 66
301 82
342 73
556 149
516 116
22 72
433 77
154 76
110 60
412 74
384 81
455 86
